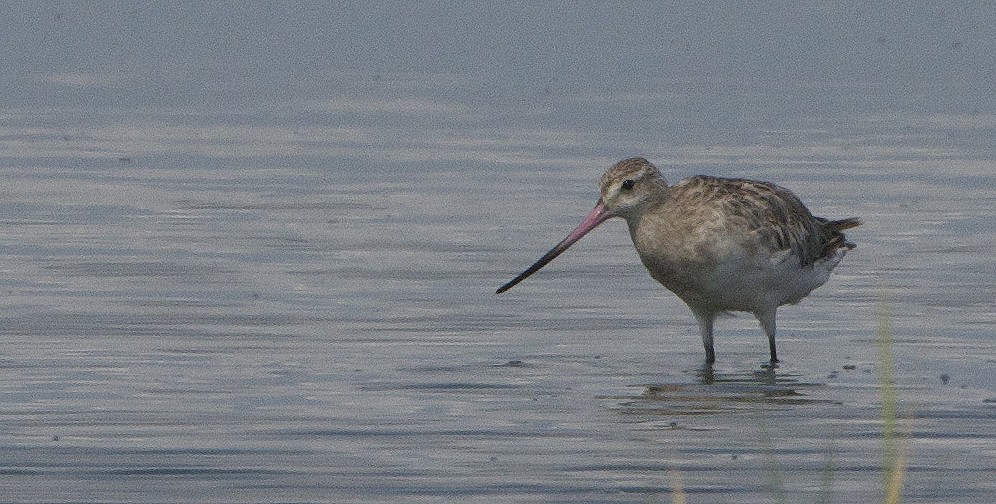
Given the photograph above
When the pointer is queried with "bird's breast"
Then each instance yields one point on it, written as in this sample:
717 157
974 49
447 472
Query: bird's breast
701 260
701 239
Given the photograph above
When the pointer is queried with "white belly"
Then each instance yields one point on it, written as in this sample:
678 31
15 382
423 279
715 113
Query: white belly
737 280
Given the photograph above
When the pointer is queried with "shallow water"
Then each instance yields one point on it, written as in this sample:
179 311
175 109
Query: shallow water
249 254
204 323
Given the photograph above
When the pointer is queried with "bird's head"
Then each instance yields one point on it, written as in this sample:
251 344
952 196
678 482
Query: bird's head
629 185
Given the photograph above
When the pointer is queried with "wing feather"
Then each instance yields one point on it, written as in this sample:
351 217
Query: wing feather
774 214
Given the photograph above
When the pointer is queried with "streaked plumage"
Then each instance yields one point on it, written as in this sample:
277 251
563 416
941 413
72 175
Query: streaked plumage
719 244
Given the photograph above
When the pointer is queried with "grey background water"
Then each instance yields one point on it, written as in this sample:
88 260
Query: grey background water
248 251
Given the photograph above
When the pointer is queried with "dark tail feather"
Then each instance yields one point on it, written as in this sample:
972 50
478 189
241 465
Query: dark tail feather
842 224
834 228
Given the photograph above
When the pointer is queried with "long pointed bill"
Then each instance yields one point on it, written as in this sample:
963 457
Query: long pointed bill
597 216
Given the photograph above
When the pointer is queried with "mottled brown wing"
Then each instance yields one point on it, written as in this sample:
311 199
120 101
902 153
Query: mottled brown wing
777 216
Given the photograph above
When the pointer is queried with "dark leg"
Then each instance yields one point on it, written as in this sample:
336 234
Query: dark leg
705 329
767 320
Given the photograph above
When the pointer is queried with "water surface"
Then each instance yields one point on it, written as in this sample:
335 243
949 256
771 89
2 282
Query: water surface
291 298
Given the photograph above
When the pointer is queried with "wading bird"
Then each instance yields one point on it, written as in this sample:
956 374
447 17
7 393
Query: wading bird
719 244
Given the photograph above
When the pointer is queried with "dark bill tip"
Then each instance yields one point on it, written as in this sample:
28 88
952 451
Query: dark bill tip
594 218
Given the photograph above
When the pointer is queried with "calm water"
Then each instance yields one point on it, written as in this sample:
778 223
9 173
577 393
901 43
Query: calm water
297 306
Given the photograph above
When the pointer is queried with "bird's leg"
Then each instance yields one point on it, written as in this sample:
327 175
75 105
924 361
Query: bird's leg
705 319
767 320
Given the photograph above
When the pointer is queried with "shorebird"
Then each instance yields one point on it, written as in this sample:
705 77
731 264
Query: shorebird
719 244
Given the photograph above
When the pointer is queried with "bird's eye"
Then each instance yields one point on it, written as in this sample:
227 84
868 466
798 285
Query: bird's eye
628 184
